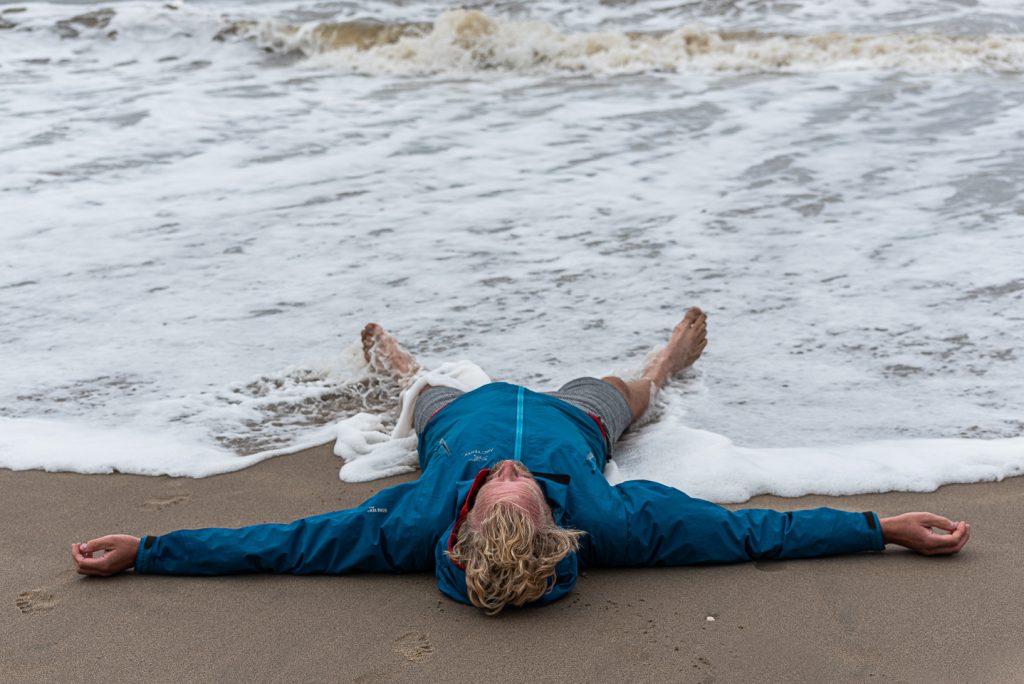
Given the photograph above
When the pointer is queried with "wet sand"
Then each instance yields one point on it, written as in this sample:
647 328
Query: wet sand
893 616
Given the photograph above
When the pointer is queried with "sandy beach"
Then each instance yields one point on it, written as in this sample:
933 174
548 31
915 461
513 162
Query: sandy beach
893 616
204 203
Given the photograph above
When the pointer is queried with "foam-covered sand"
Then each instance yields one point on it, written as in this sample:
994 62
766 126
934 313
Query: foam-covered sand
886 617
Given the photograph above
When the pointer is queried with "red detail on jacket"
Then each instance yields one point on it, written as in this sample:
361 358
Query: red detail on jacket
604 433
478 482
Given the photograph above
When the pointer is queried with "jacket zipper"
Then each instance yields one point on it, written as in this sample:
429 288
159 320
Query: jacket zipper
519 426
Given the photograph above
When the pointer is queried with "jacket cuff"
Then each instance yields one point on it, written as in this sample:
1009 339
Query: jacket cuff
875 530
144 556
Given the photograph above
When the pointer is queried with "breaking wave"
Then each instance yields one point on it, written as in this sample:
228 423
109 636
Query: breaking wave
469 41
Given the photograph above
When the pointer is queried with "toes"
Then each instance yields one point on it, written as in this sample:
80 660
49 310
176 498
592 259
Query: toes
698 350
698 328
370 336
371 333
694 318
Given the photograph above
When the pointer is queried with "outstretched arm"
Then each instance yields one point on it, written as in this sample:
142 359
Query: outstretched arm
663 526
394 531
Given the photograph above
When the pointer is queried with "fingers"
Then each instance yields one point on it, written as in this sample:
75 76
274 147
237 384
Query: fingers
118 554
964 538
76 553
104 543
87 565
947 544
925 533
956 540
933 520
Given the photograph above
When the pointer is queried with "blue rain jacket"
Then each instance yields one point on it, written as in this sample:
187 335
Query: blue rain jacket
408 527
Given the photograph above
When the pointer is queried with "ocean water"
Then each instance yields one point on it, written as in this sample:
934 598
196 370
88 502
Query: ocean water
202 203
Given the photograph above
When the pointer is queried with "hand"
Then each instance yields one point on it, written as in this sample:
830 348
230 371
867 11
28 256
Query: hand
119 551
914 531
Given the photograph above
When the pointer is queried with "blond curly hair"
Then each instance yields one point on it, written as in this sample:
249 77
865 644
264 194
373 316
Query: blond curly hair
508 559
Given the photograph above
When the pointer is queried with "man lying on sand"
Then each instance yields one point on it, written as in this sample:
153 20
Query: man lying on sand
512 502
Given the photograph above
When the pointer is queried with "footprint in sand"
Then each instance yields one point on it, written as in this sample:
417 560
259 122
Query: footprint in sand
413 646
164 502
36 601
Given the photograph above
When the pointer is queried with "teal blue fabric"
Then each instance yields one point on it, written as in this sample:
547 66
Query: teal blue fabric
406 528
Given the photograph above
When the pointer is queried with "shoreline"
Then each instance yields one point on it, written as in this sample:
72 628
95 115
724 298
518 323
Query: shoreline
893 616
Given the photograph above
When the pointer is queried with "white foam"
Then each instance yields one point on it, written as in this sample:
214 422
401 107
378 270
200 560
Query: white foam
709 466
53 445
371 453
469 41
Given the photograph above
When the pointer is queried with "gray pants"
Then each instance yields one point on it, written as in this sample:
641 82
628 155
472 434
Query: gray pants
591 395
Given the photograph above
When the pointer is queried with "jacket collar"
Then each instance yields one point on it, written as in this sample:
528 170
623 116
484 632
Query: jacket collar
468 499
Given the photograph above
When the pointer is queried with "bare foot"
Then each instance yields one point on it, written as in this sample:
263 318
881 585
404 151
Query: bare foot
684 347
382 351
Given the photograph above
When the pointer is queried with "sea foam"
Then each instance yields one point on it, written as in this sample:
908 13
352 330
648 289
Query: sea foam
703 464
710 466
467 41
370 452
195 230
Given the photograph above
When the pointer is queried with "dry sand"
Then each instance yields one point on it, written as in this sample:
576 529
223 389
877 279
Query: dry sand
893 616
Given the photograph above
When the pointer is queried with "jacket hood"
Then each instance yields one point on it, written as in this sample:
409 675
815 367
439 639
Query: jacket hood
451 579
